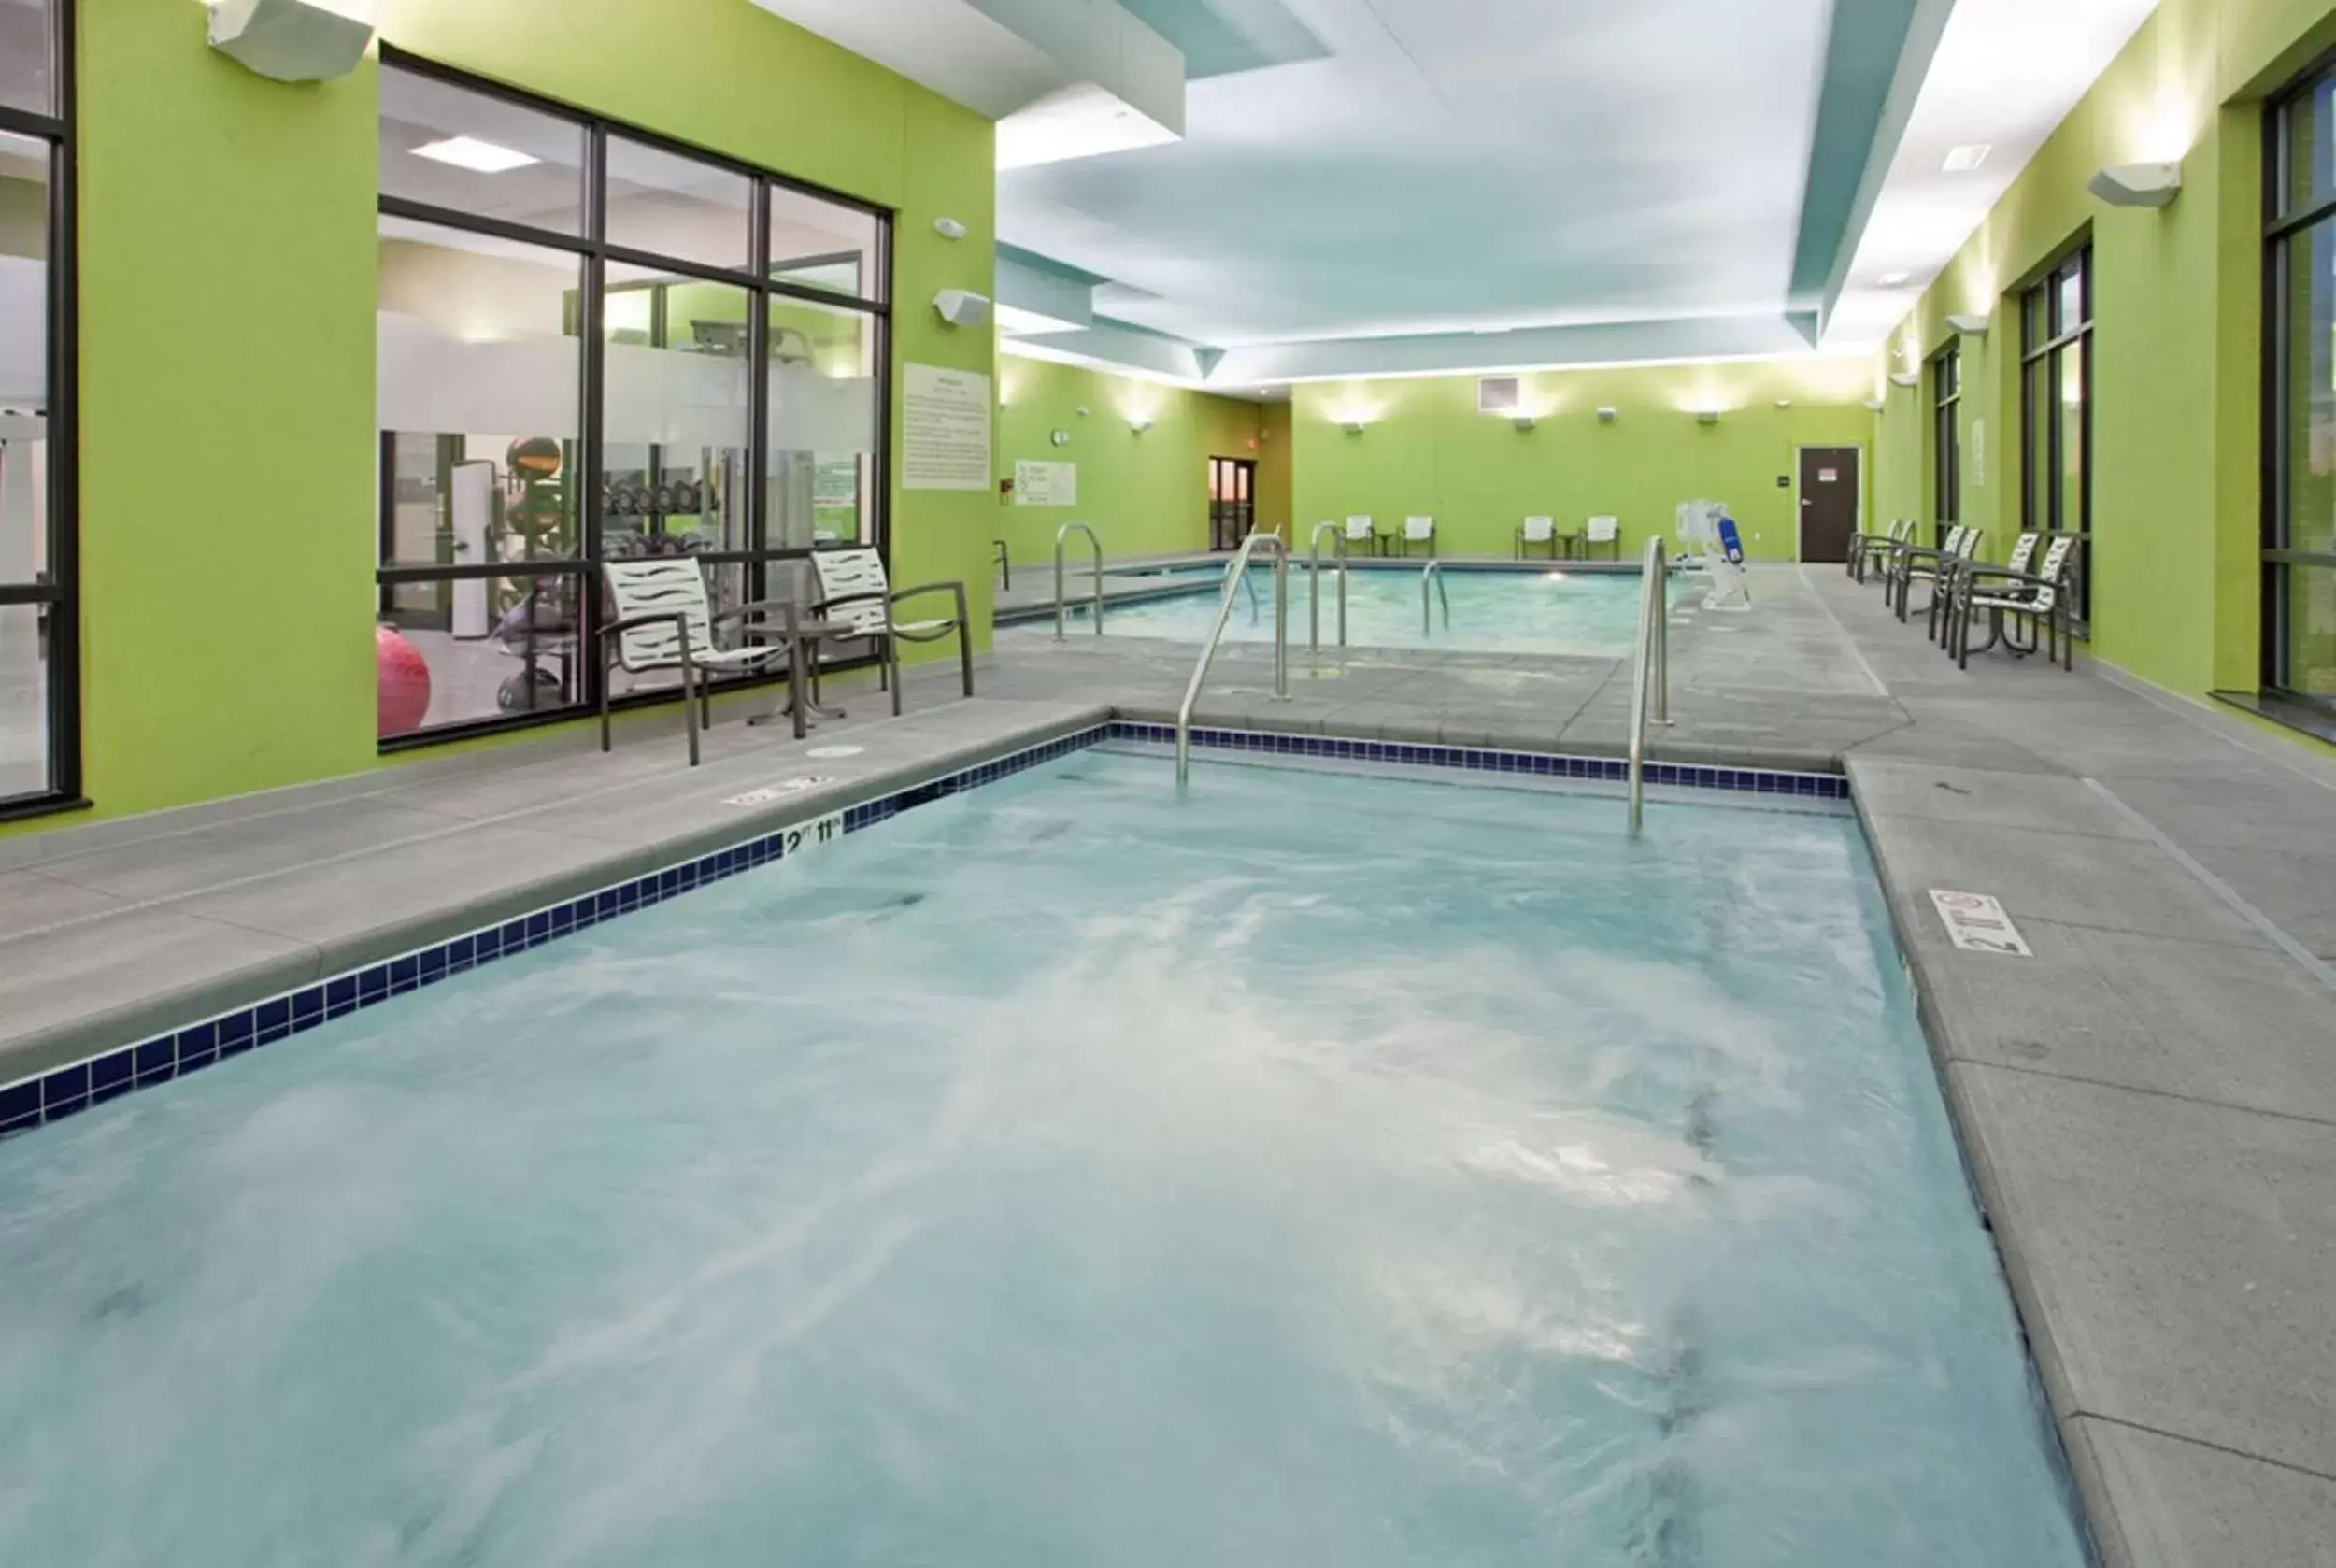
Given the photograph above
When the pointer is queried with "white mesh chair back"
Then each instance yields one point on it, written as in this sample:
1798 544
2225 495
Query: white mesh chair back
855 571
1540 531
1357 528
2023 553
1603 530
660 585
1967 547
1418 528
2055 573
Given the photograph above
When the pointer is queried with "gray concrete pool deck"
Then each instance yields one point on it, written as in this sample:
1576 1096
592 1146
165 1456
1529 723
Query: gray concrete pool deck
2148 1101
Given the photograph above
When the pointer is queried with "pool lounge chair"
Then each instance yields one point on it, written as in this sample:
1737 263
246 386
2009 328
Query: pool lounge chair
1913 563
1420 531
1872 551
1537 530
2040 598
853 582
663 622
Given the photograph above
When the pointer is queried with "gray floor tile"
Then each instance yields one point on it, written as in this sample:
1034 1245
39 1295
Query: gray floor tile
205 857
2176 1261
70 991
31 902
2236 1026
1985 798
2178 1505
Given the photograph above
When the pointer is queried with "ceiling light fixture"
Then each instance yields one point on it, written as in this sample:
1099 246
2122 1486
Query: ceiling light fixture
1962 160
480 157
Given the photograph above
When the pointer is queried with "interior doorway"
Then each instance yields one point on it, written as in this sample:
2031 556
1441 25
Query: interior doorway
1828 502
1231 501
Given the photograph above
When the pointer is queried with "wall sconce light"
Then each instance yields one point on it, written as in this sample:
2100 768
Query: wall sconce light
1139 423
2138 184
1874 404
1607 416
1355 427
289 40
1524 422
1708 416
949 228
1904 378
1783 402
1969 326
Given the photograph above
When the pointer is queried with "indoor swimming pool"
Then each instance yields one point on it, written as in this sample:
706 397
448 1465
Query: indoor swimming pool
1320 1168
1555 610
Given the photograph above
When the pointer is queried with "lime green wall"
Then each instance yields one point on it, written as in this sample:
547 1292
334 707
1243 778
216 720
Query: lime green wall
2177 394
228 507
1427 451
1274 472
227 490
1143 492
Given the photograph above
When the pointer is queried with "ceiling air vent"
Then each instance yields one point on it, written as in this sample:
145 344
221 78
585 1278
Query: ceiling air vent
1500 394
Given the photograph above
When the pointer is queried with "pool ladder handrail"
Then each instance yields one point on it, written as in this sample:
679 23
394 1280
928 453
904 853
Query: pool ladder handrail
1313 586
1650 670
1238 570
1433 574
1062 537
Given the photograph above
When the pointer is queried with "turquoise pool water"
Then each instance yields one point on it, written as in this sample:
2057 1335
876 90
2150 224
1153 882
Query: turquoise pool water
1554 611
1318 1170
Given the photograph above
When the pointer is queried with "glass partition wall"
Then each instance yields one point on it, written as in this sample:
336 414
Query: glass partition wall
573 315
39 635
2299 591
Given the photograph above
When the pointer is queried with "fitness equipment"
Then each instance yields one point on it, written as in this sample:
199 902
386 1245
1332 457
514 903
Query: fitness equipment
401 683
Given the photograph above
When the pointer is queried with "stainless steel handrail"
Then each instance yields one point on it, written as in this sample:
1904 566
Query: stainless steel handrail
1280 549
1314 585
1433 574
1650 670
1062 537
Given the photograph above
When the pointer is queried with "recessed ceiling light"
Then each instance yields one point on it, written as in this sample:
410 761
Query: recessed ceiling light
480 157
1962 160
1893 279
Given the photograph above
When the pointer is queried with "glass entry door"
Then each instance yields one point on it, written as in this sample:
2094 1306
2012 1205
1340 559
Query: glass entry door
1231 501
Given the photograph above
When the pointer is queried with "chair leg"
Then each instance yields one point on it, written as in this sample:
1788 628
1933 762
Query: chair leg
603 710
893 666
689 709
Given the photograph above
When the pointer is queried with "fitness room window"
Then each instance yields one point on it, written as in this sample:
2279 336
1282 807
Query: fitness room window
571 315
1946 442
2300 503
39 636
2055 408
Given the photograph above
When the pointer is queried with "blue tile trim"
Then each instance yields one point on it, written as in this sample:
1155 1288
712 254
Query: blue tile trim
194 1047
1610 770
60 1094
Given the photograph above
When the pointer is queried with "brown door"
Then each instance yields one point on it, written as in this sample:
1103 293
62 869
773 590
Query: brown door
1828 502
1231 501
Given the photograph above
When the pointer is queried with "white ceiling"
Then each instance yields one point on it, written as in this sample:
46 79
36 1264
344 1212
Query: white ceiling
1408 186
1454 164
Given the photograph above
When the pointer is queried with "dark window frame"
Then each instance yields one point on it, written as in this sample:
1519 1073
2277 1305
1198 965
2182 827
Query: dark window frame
60 595
2046 339
1946 439
595 253
2285 219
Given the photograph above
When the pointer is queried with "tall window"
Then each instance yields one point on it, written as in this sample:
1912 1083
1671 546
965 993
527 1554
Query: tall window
2057 417
39 641
1946 441
596 344
2299 507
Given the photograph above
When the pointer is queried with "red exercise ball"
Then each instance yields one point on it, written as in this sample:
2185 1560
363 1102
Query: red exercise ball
401 682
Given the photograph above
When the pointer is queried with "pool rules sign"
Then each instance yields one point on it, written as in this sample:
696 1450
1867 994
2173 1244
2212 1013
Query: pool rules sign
945 428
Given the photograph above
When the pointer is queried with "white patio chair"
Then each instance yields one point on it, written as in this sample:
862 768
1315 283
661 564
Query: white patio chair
2041 598
1360 533
663 622
1950 570
1420 531
855 592
1603 530
1869 551
1537 530
1913 564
